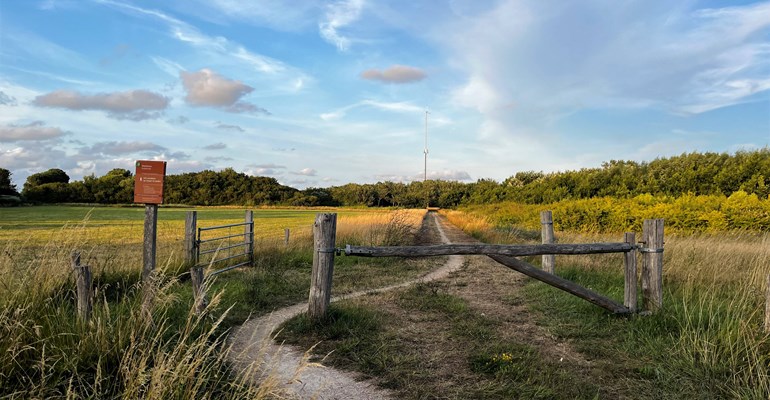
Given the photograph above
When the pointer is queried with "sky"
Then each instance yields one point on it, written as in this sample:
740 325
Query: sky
323 93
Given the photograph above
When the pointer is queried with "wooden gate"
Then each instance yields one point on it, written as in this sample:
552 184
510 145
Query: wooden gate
651 248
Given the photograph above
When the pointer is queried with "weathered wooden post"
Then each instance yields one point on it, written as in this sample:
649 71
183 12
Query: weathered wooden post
83 280
199 289
190 240
629 298
324 236
652 264
248 235
148 189
546 223
191 260
149 248
286 237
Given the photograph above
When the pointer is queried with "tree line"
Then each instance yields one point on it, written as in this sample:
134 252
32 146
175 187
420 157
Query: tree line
689 173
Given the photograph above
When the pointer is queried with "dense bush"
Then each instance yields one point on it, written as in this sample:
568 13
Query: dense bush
686 213
699 174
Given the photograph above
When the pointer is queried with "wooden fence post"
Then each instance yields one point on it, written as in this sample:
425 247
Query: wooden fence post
83 280
199 289
248 235
191 260
546 222
652 264
324 236
629 298
286 237
190 240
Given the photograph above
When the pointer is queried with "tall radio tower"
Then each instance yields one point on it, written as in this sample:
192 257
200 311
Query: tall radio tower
425 176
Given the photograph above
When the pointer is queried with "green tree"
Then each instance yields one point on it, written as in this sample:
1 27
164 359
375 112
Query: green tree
7 188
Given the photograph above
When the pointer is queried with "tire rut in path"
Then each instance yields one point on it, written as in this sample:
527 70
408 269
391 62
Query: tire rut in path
289 369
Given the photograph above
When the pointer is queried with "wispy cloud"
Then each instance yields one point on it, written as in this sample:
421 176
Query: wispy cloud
400 107
114 148
134 104
530 62
7 100
33 131
339 15
229 127
395 74
215 146
191 35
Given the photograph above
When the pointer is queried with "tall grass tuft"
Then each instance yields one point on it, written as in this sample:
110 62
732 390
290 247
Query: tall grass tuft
709 333
45 351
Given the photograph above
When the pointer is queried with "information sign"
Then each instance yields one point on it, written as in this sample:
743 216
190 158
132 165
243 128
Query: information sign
148 182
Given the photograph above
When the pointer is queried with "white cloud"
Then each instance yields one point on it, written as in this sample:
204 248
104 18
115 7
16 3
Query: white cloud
444 175
339 15
33 131
7 100
207 88
133 104
26 160
395 74
306 172
529 63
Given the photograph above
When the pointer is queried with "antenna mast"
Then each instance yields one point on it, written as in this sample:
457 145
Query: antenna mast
425 176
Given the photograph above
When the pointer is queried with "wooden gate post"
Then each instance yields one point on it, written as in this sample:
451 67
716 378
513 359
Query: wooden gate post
652 264
324 236
83 280
286 237
191 260
248 235
190 244
629 298
546 222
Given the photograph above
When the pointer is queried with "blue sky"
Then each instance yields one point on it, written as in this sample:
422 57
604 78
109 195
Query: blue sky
322 93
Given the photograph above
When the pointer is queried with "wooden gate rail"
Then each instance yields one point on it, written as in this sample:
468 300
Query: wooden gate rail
487 249
560 283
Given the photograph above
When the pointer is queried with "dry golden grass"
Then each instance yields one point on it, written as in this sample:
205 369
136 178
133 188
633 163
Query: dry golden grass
714 295
45 352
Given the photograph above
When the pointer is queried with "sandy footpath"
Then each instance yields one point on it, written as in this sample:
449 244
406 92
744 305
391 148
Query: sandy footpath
289 367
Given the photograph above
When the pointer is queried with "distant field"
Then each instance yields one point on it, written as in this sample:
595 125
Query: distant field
124 225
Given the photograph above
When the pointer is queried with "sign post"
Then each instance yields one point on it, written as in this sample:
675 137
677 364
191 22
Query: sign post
148 189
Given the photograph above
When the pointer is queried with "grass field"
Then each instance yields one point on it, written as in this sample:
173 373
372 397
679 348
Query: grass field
125 224
45 352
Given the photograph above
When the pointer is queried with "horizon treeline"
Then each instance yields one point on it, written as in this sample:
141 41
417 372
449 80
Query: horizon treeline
689 173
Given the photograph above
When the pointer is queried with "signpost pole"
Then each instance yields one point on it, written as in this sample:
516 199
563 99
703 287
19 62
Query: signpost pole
148 189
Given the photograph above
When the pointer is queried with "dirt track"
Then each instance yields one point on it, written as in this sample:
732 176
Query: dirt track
490 289
289 366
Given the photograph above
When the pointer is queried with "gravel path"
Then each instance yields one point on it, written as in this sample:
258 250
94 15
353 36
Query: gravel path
288 367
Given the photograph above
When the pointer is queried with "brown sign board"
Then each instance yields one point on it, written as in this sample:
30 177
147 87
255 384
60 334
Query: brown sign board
148 181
